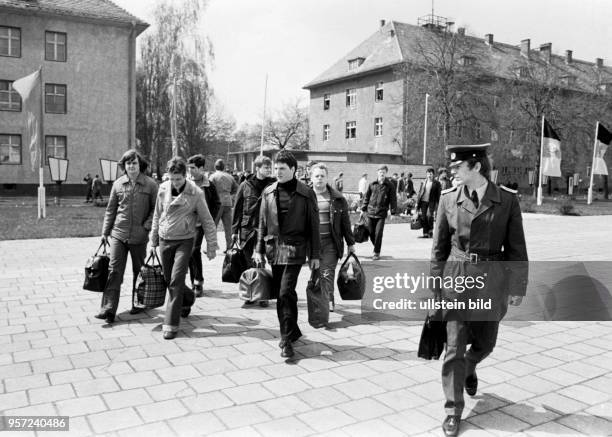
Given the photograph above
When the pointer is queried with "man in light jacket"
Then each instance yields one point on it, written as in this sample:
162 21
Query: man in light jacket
179 206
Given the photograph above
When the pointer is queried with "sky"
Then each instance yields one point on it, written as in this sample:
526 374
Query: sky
293 41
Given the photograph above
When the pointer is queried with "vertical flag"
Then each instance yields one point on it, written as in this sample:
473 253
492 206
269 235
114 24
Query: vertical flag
551 152
604 138
28 88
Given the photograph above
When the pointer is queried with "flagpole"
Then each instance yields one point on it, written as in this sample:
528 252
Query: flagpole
42 207
539 196
425 131
590 192
263 120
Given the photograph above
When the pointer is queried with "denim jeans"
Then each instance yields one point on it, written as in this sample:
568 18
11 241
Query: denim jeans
376 227
284 279
458 363
116 269
225 215
328 263
195 262
175 255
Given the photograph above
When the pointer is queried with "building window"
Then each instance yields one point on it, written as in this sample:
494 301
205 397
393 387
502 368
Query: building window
10 41
326 102
351 97
55 147
351 129
378 94
494 135
459 129
355 63
55 98
522 72
568 80
378 127
10 149
55 46
477 130
10 100
467 60
325 132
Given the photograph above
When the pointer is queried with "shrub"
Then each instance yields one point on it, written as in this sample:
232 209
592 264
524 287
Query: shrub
566 207
527 205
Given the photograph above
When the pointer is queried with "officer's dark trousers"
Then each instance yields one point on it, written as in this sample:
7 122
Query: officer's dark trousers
376 227
284 279
458 363
426 218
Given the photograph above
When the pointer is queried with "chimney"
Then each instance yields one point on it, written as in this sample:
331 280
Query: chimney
599 62
525 47
546 50
382 23
568 57
392 33
461 31
489 39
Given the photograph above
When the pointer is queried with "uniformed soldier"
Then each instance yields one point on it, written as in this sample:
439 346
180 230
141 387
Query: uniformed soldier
477 222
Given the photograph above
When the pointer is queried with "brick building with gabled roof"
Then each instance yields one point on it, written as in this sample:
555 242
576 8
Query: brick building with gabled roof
87 50
360 104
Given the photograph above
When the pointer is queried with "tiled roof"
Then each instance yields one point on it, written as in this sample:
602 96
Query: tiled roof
396 42
103 10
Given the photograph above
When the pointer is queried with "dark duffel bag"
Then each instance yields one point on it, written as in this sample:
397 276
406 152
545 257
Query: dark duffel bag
256 284
360 230
234 264
317 301
416 223
433 337
151 284
351 279
96 270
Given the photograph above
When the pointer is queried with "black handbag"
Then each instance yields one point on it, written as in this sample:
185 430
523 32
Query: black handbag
96 270
317 301
416 223
150 284
234 264
360 231
351 279
256 285
433 337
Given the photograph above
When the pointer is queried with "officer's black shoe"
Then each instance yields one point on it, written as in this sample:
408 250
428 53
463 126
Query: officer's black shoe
287 350
471 384
169 335
450 426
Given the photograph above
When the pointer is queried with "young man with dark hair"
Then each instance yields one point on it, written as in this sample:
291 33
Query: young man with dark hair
427 202
226 187
196 165
288 234
379 198
246 211
479 225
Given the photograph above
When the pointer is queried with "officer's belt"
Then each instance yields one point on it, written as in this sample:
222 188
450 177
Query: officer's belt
475 258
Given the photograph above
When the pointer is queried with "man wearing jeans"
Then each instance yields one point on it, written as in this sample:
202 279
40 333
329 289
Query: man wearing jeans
379 197
226 187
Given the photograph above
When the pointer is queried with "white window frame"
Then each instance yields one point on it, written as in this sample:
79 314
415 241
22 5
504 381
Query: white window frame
12 147
56 43
377 89
351 97
10 37
326 131
459 129
326 102
13 99
378 127
54 94
351 130
51 144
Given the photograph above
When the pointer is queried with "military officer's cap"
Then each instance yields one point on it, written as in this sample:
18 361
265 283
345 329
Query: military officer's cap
459 153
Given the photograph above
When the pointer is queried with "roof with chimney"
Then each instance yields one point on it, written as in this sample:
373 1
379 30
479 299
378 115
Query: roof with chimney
395 43
104 11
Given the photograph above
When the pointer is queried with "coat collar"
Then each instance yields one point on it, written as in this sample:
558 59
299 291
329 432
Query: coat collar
492 195
126 180
301 188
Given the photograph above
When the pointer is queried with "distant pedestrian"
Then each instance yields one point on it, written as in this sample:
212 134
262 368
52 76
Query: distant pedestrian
338 182
379 198
96 187
363 186
445 183
226 187
409 186
87 179
427 202
127 222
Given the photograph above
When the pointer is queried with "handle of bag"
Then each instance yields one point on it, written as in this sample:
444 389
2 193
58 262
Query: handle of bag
153 256
315 276
103 247
349 255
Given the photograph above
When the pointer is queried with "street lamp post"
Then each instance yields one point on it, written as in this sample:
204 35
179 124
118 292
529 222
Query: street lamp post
59 172
109 170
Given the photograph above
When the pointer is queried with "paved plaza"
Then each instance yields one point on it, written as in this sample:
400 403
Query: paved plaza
223 375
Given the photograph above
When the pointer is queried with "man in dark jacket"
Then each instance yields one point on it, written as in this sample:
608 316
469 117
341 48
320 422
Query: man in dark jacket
377 201
198 175
246 211
427 202
288 233
479 231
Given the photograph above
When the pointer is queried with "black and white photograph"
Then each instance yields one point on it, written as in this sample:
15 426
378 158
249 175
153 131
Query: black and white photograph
272 218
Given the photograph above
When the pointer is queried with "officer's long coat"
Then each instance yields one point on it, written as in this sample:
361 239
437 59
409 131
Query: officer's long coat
495 230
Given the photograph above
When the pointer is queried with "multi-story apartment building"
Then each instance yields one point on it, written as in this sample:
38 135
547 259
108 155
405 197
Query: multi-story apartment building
370 105
87 53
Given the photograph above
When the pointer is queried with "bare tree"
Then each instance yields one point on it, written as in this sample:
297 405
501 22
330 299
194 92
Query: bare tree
289 127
